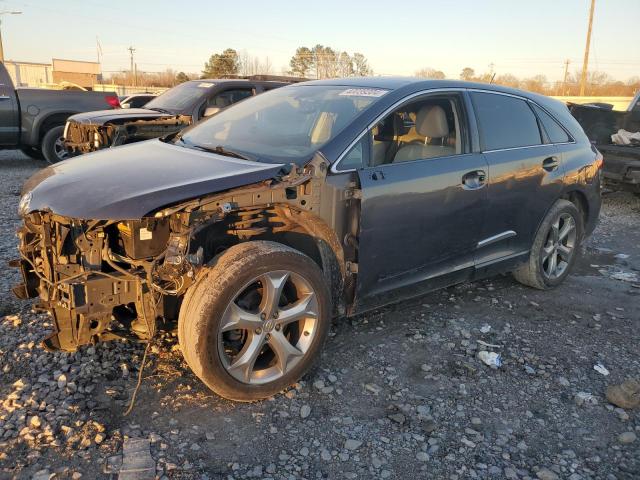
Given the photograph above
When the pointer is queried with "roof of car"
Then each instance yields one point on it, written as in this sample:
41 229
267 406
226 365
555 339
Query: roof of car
214 81
394 83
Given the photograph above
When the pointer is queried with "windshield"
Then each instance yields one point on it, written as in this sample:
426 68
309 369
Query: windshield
179 97
282 124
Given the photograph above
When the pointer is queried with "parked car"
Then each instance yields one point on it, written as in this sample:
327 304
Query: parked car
137 100
323 199
168 113
32 119
621 169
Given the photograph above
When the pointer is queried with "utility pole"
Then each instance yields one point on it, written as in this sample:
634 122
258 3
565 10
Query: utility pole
566 76
5 12
585 63
133 73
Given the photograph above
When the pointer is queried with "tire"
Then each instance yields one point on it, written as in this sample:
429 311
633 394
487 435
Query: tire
231 292
537 272
52 147
33 153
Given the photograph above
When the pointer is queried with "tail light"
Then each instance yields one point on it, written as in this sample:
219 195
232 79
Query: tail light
599 160
112 101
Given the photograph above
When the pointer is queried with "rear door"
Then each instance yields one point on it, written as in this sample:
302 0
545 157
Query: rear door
525 174
9 110
423 201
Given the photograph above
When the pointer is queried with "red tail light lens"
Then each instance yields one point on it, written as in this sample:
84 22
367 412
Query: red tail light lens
112 101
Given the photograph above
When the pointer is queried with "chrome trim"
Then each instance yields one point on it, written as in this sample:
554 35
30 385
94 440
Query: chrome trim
496 238
518 148
441 90
384 114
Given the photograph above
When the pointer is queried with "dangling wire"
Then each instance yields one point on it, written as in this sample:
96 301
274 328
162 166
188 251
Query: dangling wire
135 391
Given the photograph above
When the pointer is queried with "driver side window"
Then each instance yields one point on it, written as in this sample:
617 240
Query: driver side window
222 100
422 129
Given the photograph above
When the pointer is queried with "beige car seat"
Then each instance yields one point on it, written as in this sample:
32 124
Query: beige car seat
431 123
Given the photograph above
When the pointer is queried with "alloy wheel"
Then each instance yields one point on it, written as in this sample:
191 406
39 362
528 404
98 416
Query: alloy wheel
60 150
559 246
268 327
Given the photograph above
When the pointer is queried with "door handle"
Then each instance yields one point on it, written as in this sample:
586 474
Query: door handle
376 175
550 164
474 180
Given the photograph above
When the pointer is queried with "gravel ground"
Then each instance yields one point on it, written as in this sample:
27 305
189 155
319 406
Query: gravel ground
400 392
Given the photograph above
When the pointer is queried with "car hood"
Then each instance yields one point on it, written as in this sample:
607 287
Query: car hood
100 117
131 181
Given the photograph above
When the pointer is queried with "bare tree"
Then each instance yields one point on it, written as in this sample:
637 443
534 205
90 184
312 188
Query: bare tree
250 65
468 74
324 62
430 73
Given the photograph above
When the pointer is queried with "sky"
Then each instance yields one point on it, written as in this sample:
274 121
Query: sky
520 37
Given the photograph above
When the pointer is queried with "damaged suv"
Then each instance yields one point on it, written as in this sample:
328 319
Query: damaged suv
317 200
175 109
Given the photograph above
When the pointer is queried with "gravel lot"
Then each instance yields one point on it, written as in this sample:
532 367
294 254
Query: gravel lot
399 394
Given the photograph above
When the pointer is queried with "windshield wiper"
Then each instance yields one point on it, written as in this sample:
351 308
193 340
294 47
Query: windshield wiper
220 150
160 110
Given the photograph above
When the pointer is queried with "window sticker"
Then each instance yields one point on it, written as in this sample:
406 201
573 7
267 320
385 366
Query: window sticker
364 92
205 85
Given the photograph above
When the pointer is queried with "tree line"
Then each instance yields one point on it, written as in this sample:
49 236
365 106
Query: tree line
599 84
326 62
316 62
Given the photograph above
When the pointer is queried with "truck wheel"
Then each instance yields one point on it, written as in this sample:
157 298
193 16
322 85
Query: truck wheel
32 152
255 320
554 249
53 146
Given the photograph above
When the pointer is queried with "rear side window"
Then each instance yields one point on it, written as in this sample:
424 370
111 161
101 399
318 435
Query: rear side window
556 132
505 122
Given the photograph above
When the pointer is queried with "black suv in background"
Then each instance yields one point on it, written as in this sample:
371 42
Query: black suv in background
168 113
328 198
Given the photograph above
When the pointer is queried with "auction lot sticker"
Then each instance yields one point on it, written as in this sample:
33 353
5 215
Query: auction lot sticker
364 92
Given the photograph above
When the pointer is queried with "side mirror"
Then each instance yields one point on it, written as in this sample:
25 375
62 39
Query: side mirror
126 105
210 111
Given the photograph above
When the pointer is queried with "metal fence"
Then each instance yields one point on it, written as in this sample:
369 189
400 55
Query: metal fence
127 89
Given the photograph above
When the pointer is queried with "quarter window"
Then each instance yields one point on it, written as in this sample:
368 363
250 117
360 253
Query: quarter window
505 122
354 159
555 132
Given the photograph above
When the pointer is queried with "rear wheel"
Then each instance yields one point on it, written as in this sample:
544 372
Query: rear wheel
53 145
256 321
554 249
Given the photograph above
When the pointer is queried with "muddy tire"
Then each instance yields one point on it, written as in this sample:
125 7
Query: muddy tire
554 249
255 320
52 147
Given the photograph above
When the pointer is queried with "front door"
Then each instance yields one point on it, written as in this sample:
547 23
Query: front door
423 201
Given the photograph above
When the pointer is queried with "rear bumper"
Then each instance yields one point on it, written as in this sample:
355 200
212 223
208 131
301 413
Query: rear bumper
621 169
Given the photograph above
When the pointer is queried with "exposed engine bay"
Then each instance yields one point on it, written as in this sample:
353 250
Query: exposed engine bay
88 137
107 279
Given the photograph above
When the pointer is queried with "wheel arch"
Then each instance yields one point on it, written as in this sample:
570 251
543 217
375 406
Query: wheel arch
42 125
298 229
579 199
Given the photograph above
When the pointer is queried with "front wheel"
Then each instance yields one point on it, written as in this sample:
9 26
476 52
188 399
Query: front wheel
53 148
554 249
256 321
